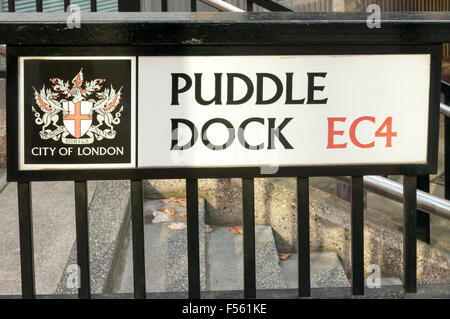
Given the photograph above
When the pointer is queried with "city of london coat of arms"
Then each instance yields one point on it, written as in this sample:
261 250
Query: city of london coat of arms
89 111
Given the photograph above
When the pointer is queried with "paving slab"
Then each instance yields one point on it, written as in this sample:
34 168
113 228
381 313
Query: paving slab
53 232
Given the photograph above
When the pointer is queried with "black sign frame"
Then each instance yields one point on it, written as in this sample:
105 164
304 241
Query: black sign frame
14 52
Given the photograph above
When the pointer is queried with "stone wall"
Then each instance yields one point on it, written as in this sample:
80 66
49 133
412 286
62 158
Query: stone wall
276 205
446 70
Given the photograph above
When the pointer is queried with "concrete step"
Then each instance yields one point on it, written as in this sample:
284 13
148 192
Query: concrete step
165 252
386 281
326 271
224 258
53 233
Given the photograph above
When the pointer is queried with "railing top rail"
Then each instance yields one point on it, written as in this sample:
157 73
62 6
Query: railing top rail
394 190
298 17
214 28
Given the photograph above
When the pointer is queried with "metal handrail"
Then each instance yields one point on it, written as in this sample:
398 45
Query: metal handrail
391 189
222 5
445 109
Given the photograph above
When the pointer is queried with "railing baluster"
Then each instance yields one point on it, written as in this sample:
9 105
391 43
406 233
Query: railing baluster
249 5
26 239
248 205
193 5
447 151
82 230
409 233
193 238
39 6
93 5
164 5
357 230
129 5
423 218
11 6
137 222
304 278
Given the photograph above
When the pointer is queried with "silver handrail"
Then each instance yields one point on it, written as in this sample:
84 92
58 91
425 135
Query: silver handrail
222 5
445 109
391 189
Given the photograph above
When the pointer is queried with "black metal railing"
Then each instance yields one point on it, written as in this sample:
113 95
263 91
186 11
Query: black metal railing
445 89
40 8
357 231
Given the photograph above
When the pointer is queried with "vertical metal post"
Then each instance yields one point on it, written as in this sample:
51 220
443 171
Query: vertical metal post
11 6
193 238
66 4
304 278
357 230
248 205
164 6
82 230
93 5
249 5
447 151
193 5
129 5
39 7
137 222
409 233
26 239
423 218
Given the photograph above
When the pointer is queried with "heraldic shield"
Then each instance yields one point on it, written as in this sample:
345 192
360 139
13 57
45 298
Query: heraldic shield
78 117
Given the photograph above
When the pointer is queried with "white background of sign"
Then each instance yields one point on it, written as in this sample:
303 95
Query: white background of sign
355 85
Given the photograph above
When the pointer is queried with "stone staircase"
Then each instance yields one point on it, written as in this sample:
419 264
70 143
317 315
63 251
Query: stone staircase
166 252
221 254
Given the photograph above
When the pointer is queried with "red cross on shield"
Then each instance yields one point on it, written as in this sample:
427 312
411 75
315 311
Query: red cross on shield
77 121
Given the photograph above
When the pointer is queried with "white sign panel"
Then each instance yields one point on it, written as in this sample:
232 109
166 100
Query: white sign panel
213 111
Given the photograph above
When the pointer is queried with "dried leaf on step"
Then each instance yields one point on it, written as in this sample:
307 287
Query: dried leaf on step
180 201
166 210
236 229
208 228
175 226
284 257
182 214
